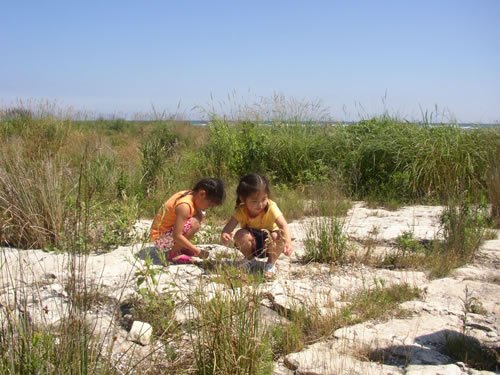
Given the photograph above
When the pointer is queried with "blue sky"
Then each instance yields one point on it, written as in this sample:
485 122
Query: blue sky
358 58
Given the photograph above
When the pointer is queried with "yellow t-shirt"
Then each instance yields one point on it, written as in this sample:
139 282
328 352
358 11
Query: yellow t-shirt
265 220
165 218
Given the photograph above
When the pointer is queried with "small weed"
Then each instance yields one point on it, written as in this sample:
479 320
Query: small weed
410 253
370 242
468 349
285 339
463 226
326 241
406 243
490 235
209 234
471 305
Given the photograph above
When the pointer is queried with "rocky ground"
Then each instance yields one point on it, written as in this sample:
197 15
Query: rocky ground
410 345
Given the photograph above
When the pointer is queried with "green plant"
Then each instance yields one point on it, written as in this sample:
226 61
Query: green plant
228 338
99 173
325 241
493 182
406 243
36 350
155 151
122 184
286 338
463 226
471 305
209 233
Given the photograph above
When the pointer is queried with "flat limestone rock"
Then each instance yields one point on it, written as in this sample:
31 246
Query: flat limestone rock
327 358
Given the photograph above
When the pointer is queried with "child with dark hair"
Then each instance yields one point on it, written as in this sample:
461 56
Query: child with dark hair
180 218
258 217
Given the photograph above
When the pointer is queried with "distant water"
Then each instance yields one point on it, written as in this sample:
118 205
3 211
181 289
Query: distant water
464 125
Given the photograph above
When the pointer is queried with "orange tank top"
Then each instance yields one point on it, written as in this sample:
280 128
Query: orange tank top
165 218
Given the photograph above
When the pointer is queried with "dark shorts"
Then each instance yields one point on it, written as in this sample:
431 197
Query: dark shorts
259 251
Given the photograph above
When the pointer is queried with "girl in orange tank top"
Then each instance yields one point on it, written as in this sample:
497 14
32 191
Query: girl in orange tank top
179 218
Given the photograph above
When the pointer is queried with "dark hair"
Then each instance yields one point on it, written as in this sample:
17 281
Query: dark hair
214 187
250 184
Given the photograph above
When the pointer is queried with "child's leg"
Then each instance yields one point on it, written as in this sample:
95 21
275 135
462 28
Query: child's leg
190 228
245 242
173 249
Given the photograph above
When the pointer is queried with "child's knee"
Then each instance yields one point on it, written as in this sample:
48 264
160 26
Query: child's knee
242 237
195 224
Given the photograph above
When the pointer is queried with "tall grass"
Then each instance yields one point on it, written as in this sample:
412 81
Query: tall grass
463 227
379 157
32 199
228 338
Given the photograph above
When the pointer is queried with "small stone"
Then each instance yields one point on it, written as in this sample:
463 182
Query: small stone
140 333
290 363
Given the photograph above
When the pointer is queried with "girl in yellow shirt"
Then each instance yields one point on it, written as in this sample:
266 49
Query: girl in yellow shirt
257 216
180 217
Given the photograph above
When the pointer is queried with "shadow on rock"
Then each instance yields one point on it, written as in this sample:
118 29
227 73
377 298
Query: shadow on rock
440 348
157 256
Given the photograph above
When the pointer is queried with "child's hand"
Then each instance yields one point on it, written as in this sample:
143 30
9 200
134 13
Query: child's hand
225 238
203 254
288 249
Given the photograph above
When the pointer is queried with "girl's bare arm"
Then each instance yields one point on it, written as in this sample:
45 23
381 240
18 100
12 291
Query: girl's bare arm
227 232
283 225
